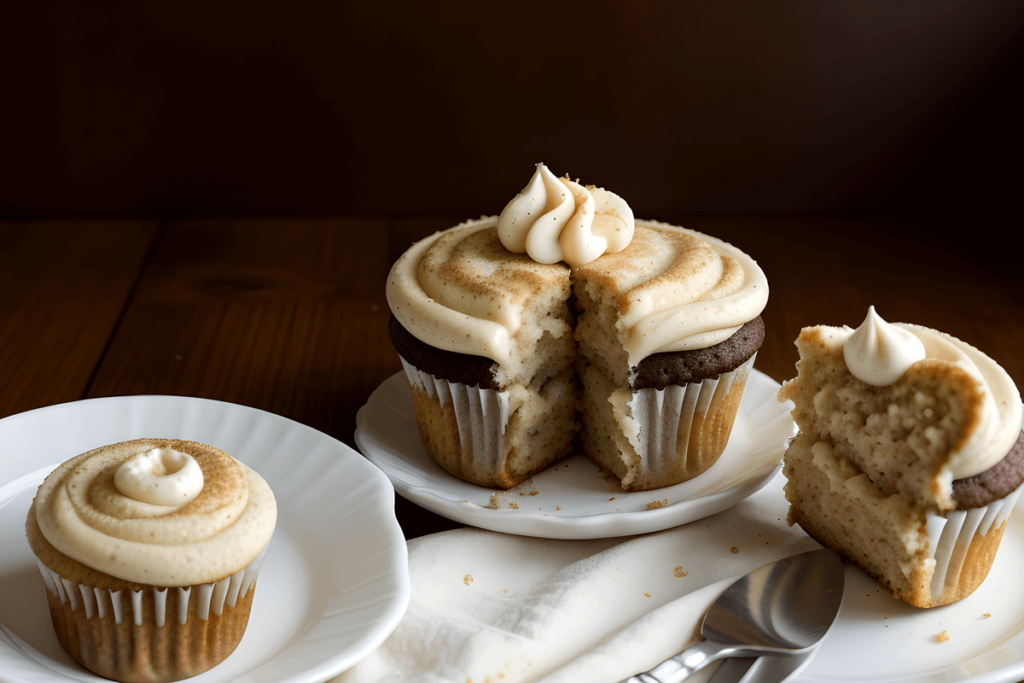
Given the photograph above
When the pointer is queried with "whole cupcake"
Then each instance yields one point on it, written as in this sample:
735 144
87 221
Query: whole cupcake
565 321
150 550
910 455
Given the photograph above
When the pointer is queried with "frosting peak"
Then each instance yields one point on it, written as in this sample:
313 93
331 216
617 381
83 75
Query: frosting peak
878 353
554 219
161 476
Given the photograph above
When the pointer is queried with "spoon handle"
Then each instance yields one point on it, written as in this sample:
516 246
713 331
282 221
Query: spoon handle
683 664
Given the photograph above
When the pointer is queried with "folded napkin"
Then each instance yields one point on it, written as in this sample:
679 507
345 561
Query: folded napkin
493 608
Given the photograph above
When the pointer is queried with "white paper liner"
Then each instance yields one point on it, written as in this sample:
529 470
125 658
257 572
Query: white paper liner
660 414
481 415
951 536
210 597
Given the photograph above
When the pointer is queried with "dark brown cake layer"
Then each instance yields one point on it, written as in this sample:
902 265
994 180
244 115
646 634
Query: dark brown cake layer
993 484
657 371
454 367
682 367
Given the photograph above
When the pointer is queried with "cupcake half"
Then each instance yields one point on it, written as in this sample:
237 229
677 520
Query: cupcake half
149 551
485 336
909 458
563 319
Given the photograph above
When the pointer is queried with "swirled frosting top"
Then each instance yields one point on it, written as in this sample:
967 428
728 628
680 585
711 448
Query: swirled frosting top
554 219
677 289
461 290
999 420
100 508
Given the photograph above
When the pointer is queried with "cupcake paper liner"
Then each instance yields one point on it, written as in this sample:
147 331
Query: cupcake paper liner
481 414
664 416
951 537
209 597
669 415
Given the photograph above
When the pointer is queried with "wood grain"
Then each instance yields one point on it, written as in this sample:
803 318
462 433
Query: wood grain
63 287
288 316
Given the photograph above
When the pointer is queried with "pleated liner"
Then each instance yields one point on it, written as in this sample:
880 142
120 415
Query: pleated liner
155 634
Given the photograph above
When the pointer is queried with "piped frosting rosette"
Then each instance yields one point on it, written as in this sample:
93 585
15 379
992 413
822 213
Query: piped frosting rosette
555 219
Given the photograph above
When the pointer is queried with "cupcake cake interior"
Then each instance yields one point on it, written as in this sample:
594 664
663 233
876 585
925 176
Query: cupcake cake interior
877 468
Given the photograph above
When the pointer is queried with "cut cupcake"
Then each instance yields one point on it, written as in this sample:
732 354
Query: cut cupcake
909 458
491 423
564 315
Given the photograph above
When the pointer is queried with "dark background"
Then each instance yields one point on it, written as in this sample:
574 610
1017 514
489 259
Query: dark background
906 111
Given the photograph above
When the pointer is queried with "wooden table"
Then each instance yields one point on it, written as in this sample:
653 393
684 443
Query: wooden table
289 315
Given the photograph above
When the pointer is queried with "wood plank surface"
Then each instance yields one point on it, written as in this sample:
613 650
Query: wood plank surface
288 316
63 287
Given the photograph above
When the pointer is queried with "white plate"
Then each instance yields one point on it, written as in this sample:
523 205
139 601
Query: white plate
571 500
335 580
878 638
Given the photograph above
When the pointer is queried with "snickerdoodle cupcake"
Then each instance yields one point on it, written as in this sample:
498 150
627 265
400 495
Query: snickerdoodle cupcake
149 551
910 455
565 323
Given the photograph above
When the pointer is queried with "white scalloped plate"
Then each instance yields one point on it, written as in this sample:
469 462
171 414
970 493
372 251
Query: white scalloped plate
571 500
335 581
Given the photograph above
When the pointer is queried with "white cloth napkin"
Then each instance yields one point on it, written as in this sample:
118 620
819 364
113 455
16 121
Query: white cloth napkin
493 608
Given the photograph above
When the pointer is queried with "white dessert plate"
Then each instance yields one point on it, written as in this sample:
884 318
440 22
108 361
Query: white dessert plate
881 639
571 500
335 580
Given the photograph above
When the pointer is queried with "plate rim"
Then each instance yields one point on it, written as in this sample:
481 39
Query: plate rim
391 610
564 527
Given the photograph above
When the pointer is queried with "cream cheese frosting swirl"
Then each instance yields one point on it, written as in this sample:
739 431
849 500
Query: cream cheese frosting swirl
102 509
678 290
554 219
881 350
461 290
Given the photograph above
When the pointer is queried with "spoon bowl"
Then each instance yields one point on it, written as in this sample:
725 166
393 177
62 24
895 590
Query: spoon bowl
782 608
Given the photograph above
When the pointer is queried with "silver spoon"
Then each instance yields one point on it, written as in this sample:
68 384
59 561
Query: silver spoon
780 609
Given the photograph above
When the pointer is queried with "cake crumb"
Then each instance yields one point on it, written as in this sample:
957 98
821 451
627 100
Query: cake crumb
647 595
942 637
504 499
558 507
986 615
734 550
612 498
467 579
680 573
654 504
